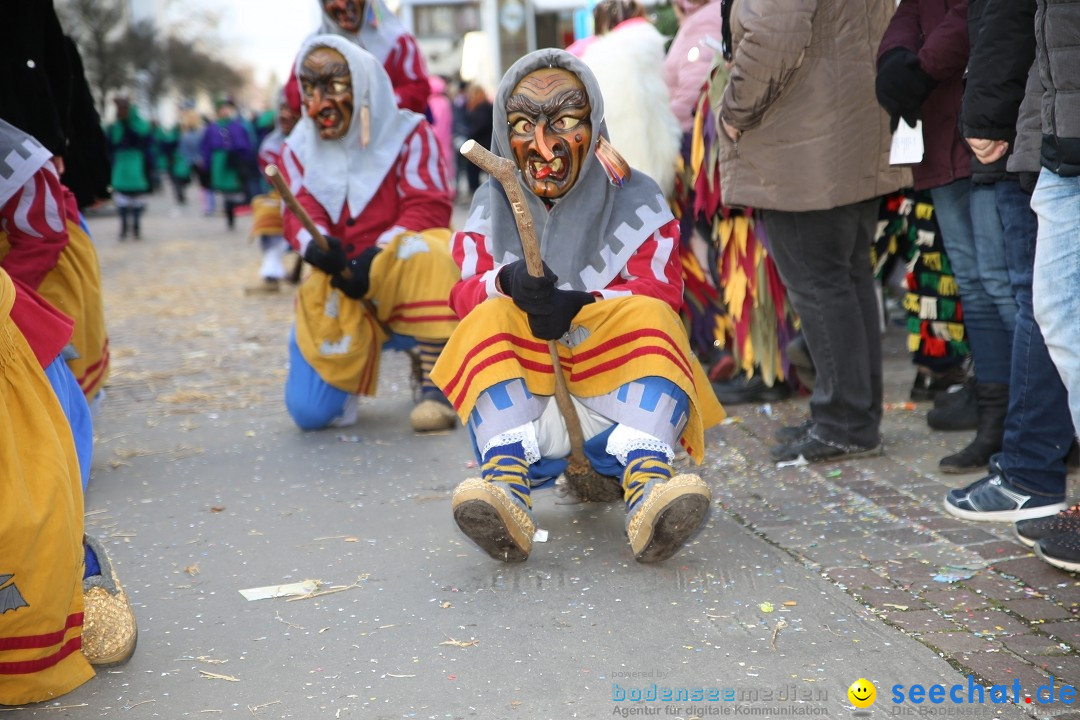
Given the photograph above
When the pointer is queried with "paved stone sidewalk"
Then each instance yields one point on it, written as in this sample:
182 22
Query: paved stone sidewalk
876 527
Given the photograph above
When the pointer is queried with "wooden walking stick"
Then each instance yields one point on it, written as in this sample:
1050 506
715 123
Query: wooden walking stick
587 484
274 176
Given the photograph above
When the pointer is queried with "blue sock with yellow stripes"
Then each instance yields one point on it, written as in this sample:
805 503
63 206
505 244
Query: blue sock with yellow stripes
506 464
642 468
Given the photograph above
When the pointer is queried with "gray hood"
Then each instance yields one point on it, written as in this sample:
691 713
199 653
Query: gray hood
591 232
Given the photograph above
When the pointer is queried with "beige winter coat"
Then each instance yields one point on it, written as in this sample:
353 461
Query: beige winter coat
802 92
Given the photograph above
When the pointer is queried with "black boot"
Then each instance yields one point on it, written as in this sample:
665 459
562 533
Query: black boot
993 402
136 214
955 410
124 213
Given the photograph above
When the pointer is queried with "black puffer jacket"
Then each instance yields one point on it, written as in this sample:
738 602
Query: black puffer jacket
1002 51
1057 27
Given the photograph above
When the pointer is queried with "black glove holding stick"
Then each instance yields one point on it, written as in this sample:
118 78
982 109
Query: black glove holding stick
332 260
359 280
902 86
550 310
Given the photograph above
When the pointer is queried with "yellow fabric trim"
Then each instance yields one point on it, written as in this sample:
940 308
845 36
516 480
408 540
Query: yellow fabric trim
341 340
483 352
41 516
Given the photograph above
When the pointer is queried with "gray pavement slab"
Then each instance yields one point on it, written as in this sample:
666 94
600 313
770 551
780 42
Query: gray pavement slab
202 487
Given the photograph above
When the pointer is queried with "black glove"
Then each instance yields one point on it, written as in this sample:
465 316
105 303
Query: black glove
358 282
566 304
902 86
331 262
532 294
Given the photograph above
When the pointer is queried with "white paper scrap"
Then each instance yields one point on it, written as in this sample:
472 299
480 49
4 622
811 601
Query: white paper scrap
275 591
907 144
540 535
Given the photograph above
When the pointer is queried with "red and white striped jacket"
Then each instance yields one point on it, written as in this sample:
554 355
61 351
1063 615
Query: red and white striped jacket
412 196
654 270
35 221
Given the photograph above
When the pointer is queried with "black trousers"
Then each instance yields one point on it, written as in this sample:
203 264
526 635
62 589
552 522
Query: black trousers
823 257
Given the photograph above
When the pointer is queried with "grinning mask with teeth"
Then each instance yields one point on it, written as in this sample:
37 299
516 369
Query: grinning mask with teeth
548 114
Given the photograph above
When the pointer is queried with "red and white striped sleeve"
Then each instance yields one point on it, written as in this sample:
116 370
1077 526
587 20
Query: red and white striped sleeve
295 233
408 74
35 220
422 188
473 255
654 270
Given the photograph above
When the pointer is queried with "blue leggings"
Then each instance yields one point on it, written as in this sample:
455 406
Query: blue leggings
77 412
311 401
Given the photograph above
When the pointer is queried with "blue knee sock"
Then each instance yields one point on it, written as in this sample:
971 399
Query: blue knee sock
92 566
642 467
506 464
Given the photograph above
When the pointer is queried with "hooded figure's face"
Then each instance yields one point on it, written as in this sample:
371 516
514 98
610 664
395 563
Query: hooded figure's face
550 130
347 14
326 85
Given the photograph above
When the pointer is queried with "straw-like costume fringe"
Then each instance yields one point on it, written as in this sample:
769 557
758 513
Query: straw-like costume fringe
74 288
41 552
266 215
409 287
615 342
908 232
752 317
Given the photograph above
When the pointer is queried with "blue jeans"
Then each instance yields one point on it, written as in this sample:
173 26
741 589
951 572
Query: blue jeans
1056 283
976 250
1038 429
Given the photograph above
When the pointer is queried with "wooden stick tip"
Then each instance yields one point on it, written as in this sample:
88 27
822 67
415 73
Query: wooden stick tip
271 170
467 146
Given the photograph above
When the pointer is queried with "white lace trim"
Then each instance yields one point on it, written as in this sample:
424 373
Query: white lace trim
524 434
623 439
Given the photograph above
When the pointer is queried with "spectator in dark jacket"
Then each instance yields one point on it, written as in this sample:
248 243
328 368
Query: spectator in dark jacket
921 61
1057 202
1027 478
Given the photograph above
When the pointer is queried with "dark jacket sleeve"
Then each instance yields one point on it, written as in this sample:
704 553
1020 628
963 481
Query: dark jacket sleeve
944 53
1026 150
1001 57
904 30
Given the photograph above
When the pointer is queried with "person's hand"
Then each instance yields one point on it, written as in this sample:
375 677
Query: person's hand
534 295
987 151
58 161
733 133
565 306
902 86
359 281
332 261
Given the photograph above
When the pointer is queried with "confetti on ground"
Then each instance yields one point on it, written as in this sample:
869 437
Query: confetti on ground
349 438
192 569
797 462
895 606
540 535
766 607
790 603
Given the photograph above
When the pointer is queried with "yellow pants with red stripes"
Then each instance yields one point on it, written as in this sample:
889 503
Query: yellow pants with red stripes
41 530
611 343
337 342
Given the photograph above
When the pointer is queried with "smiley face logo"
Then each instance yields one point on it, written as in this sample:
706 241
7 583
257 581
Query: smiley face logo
861 693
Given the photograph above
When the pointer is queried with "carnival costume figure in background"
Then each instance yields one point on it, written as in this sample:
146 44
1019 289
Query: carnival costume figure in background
266 222
610 296
226 150
62 608
371 177
735 298
44 245
129 145
371 25
627 59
